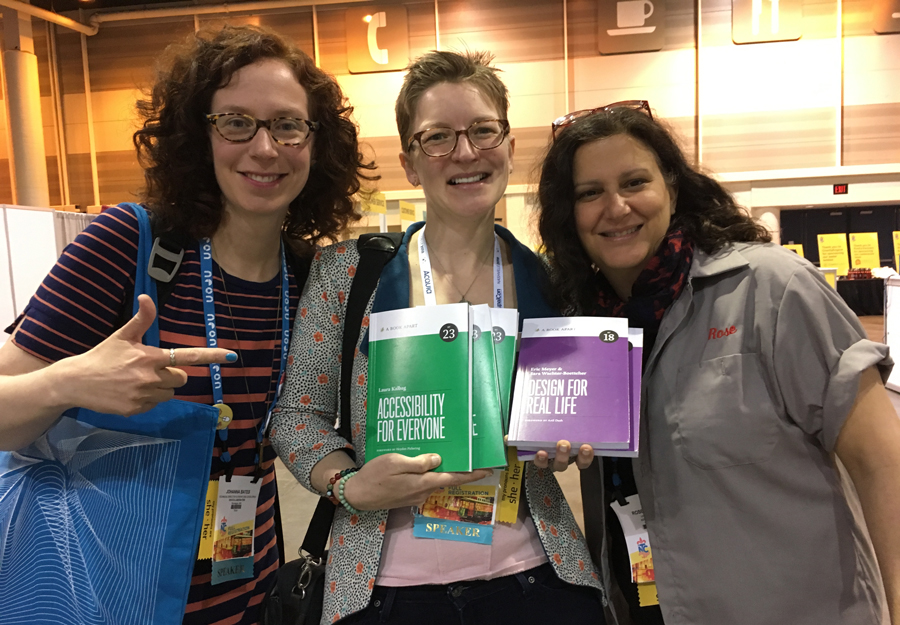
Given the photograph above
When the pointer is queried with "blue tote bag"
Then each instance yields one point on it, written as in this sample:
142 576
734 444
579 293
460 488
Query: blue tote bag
100 517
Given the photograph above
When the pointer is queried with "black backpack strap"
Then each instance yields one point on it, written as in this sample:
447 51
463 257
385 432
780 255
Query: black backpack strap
299 266
375 250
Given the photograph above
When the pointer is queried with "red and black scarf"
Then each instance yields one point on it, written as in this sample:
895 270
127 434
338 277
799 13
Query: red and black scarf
654 290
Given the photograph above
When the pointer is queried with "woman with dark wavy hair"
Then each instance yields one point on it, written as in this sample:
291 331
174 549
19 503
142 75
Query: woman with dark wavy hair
755 376
250 156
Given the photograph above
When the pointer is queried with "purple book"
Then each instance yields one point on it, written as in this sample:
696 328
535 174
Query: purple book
573 383
636 339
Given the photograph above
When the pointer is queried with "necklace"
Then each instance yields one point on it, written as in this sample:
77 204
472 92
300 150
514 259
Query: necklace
238 341
478 272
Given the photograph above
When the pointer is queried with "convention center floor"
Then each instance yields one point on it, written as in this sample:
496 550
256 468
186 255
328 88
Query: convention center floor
298 504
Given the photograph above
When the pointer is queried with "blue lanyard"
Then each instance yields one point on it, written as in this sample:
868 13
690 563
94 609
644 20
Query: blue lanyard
215 370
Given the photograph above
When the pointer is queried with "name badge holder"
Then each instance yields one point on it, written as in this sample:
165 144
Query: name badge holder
637 540
228 530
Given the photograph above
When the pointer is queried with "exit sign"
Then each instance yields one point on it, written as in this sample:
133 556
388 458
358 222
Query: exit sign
840 189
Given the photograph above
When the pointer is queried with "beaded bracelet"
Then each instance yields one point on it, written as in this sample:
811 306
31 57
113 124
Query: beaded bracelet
340 493
329 492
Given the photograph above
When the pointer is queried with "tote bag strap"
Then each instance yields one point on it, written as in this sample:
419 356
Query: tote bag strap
143 283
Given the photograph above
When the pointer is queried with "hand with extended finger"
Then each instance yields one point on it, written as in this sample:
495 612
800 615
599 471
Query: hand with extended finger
562 459
123 376
394 481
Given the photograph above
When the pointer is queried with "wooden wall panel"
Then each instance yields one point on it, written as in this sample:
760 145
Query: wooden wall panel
531 143
124 56
81 191
120 177
6 196
385 150
872 134
68 52
53 181
293 23
332 41
582 30
43 57
513 30
769 140
420 19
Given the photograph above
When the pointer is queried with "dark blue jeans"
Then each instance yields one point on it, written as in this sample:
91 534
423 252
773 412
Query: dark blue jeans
535 596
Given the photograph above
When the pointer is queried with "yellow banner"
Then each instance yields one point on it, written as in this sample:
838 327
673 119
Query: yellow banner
407 213
795 247
864 250
376 203
833 252
896 237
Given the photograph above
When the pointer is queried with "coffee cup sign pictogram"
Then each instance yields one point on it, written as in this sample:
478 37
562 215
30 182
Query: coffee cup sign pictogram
631 26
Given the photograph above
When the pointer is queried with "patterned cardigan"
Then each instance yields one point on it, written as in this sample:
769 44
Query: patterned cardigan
303 430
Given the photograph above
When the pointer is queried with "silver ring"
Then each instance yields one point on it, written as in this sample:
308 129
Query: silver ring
171 356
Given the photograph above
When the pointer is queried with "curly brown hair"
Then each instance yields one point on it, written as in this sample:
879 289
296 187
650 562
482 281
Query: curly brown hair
704 210
173 145
440 66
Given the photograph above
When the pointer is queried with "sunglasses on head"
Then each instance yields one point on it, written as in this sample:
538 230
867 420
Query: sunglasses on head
571 118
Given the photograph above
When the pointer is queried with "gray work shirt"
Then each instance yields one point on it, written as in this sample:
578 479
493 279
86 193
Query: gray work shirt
754 371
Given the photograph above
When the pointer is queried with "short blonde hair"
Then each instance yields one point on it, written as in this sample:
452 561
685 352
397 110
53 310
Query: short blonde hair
437 67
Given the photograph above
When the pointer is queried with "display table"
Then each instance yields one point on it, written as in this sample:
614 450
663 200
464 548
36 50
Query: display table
864 297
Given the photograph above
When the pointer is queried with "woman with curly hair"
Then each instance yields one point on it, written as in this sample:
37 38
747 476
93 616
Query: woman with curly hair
756 376
248 152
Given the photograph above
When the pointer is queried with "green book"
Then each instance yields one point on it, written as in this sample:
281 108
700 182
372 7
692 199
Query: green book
505 323
420 384
488 450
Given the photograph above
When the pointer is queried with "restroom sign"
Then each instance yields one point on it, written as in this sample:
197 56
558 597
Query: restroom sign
377 38
760 21
631 26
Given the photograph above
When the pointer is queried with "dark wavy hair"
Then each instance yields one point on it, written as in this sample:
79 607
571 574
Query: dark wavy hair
173 145
704 210
439 66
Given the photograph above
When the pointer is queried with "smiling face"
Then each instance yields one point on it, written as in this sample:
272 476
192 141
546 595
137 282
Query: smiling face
623 207
261 177
466 183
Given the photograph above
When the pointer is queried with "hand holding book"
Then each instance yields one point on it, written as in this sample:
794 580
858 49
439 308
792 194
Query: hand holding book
395 481
564 458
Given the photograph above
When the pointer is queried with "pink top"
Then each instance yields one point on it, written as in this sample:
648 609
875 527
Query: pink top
410 561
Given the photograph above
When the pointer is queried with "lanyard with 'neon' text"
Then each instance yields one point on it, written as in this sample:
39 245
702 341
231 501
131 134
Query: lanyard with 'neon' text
209 321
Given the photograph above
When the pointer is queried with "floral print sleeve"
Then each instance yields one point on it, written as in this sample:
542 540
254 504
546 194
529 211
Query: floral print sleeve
303 426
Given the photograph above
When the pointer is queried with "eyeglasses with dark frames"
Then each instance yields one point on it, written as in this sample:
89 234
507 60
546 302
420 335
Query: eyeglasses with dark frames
486 134
239 128
571 118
